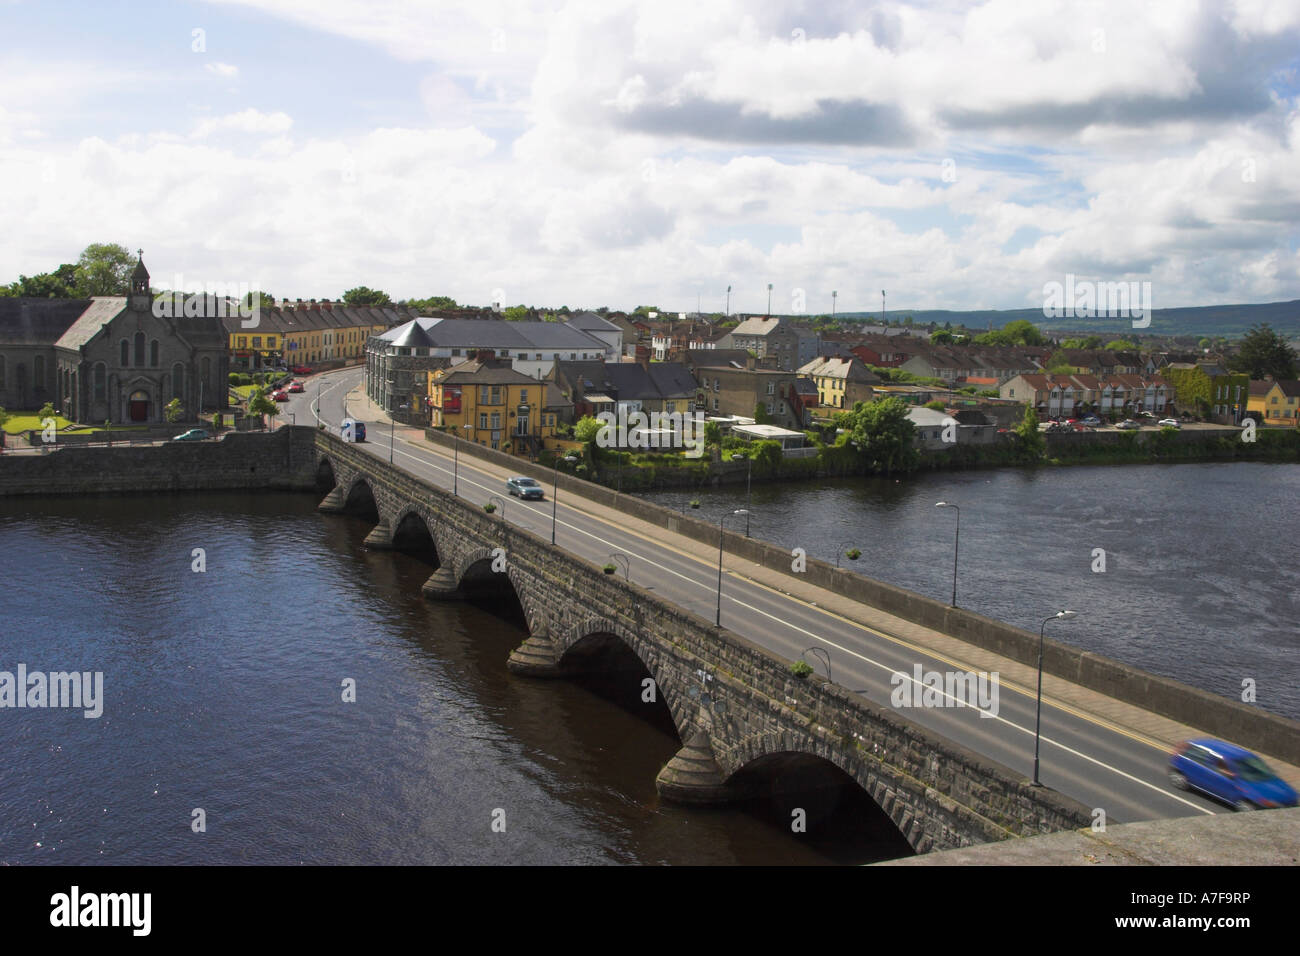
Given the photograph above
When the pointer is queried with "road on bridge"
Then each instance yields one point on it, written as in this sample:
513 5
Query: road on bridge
1097 761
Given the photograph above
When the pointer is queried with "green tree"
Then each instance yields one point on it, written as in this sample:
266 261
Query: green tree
587 428
941 338
173 411
1031 439
883 435
767 454
260 404
936 405
1121 345
516 313
364 296
1017 332
1059 364
104 268
1264 352
1204 344
59 284
761 417
4 417
712 433
434 303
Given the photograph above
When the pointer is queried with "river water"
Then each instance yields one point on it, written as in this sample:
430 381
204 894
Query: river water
1201 578
223 693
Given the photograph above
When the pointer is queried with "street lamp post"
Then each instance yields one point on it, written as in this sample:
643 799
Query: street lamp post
1038 713
721 521
820 652
955 541
500 503
749 476
618 557
769 300
728 301
841 551
834 296
392 438
555 490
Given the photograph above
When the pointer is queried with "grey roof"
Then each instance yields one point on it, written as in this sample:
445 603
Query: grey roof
491 372
757 325
499 334
31 321
412 336
590 321
101 311
629 381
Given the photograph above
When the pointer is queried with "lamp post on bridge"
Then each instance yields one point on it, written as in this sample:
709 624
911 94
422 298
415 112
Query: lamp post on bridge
1038 712
555 490
722 521
955 542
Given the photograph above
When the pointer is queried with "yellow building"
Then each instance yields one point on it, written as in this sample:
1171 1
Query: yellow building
1277 403
491 404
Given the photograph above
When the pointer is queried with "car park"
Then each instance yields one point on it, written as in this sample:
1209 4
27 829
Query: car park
194 434
1228 773
524 487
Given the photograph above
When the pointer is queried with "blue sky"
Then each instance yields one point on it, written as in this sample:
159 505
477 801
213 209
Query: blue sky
584 153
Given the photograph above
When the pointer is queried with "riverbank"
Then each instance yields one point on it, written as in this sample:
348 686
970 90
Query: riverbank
645 473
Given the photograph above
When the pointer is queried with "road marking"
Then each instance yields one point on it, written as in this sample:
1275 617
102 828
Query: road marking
1088 718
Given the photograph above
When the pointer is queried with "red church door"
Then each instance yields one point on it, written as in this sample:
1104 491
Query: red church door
139 407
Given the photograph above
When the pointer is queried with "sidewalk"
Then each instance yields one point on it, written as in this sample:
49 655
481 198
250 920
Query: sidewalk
1160 732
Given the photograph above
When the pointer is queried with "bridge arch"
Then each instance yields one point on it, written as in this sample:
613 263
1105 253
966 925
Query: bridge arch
472 569
326 477
592 629
798 753
413 532
360 498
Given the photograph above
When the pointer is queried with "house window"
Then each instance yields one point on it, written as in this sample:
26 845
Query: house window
482 420
771 388
715 404
257 341
496 420
483 392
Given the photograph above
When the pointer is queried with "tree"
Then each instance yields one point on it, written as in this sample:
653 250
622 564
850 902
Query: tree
712 433
1204 344
761 417
941 338
59 284
587 428
434 303
173 411
767 454
364 296
259 404
1031 439
1264 352
104 268
4 417
1018 332
883 434
1059 364
1121 345
936 405
516 313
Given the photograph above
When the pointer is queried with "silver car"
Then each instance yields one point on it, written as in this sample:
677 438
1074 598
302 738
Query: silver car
524 487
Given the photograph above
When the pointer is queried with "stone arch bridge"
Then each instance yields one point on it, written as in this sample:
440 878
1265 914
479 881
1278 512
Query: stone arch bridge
733 704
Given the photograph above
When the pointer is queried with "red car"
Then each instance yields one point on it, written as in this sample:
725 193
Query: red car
295 386
280 396
300 370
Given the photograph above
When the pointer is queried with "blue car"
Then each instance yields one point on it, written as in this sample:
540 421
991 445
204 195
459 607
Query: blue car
1228 773
524 487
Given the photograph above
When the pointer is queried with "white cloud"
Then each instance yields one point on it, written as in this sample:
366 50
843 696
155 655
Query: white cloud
245 121
221 69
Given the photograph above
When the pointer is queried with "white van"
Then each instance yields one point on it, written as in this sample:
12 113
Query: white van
352 430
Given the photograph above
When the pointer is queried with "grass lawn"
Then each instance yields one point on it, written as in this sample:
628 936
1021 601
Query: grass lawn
26 421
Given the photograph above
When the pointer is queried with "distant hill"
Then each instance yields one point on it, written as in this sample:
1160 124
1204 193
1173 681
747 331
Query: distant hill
1207 320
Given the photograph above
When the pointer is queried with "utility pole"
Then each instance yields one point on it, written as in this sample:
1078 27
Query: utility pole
769 300
834 294
728 301
882 306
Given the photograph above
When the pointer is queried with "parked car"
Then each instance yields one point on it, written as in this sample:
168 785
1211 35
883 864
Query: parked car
1169 423
1145 414
295 386
1092 421
524 487
1128 424
194 434
300 370
1228 773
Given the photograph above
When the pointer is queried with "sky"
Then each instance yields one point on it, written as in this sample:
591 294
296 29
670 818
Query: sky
953 155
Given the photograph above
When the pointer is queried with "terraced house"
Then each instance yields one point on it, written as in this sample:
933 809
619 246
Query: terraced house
841 381
1065 396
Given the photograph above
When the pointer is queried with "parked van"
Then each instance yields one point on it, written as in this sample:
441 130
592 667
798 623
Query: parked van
352 430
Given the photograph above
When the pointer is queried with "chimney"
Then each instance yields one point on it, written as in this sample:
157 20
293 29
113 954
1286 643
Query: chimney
643 356
751 361
325 303
314 306
300 303
485 355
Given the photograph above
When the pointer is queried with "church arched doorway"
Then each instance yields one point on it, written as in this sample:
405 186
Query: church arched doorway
139 406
